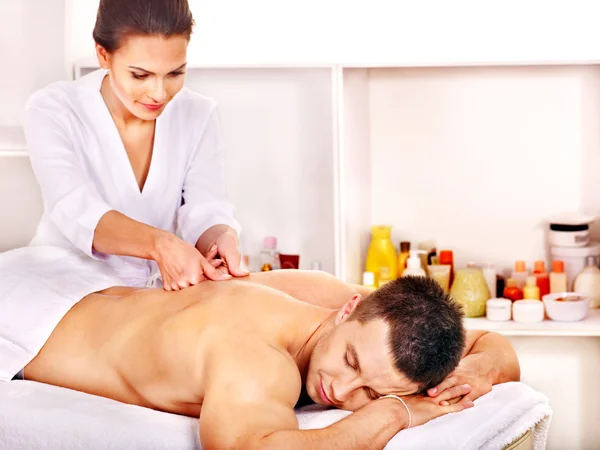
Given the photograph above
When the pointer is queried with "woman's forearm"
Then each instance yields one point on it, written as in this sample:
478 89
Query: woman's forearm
117 234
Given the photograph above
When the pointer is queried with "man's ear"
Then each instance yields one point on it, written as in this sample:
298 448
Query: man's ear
347 309
102 56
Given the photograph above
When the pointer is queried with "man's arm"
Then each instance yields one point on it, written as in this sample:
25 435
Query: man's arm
270 423
488 359
253 407
494 356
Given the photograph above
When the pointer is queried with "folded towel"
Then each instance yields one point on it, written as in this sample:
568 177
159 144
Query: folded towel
38 286
44 417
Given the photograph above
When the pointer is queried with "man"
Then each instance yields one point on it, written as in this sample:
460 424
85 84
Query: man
240 351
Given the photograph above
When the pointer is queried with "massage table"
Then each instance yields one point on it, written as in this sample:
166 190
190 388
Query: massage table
43 417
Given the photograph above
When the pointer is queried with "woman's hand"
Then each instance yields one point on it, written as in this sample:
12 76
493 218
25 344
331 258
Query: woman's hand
182 265
228 250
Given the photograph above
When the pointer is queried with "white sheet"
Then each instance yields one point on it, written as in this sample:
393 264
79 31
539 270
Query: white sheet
38 286
34 415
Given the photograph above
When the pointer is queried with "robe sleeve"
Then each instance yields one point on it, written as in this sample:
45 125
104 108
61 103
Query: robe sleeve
205 201
70 197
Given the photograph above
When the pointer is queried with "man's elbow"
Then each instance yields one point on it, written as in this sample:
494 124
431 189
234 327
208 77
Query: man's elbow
512 368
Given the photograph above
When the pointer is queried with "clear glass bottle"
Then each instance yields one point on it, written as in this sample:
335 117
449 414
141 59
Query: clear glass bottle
269 255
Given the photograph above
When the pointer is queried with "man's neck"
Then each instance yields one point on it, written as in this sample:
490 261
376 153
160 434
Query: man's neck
305 335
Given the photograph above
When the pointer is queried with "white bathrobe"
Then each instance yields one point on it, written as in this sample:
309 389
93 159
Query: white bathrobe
84 171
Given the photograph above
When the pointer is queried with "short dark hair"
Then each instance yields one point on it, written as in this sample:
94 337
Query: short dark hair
119 19
426 331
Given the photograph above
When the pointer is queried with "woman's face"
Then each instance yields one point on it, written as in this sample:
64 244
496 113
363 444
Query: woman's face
146 72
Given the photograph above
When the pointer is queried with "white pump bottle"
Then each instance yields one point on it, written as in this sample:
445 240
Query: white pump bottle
413 264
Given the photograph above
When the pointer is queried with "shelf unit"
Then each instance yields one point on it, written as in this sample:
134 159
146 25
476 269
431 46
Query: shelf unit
588 327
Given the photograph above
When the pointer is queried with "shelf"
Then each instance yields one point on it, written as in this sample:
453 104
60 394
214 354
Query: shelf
12 141
87 65
589 327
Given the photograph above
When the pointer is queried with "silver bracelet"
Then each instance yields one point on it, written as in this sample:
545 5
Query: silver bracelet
401 401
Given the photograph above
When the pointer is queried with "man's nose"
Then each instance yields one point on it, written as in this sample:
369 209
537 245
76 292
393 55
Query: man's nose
342 390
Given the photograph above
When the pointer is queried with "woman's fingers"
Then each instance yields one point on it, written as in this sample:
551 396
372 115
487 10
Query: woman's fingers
212 252
182 284
213 274
216 262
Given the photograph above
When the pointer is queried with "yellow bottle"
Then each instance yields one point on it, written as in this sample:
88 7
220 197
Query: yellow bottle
403 257
382 259
531 291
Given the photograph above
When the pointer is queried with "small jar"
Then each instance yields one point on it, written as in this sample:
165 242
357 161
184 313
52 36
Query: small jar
498 309
471 291
528 311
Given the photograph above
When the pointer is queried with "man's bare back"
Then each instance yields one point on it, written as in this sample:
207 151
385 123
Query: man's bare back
155 348
236 354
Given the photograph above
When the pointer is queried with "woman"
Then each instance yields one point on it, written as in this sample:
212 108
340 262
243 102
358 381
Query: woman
129 160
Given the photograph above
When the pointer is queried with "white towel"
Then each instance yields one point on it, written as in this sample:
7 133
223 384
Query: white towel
44 417
38 286
496 420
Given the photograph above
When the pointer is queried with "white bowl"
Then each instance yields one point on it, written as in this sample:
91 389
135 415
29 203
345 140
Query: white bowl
566 311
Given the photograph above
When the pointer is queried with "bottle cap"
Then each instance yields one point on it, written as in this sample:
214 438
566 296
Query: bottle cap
558 266
511 282
381 231
368 279
414 262
446 257
404 246
520 266
539 267
270 242
531 281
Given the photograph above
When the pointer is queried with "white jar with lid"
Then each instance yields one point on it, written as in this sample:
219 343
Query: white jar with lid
570 231
498 309
528 311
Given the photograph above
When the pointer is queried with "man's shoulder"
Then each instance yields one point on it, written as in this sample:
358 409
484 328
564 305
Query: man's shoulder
254 369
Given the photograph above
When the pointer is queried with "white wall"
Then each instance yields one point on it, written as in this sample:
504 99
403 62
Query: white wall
477 158
32 52
381 31
278 142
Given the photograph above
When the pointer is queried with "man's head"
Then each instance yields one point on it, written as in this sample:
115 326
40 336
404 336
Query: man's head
403 338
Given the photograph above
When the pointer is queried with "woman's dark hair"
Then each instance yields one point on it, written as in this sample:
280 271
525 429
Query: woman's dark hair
119 19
